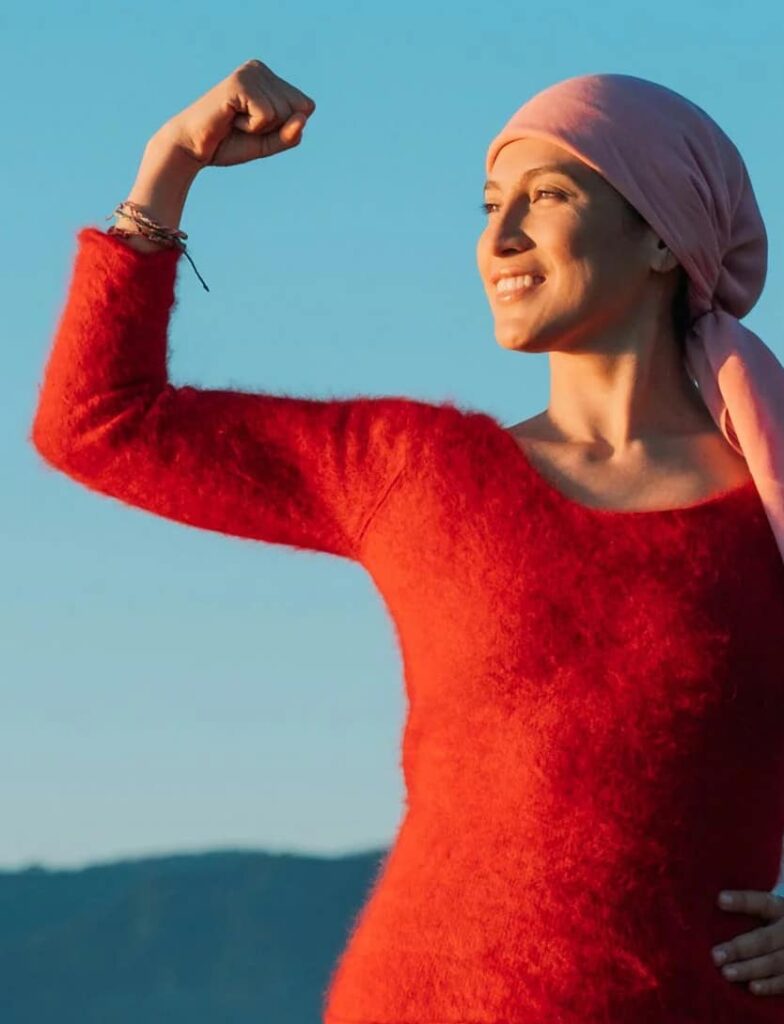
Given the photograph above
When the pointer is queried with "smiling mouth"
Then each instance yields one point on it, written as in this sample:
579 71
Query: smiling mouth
511 289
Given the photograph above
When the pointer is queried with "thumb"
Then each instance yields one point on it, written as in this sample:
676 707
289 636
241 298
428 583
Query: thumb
287 136
250 123
242 146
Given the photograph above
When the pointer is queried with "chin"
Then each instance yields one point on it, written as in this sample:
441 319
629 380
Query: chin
516 339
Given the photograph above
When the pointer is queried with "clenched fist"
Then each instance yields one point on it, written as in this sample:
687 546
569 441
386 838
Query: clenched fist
249 115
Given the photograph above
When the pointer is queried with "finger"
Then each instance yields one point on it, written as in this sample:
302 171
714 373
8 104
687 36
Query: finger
767 939
761 967
280 104
298 99
275 142
256 111
260 108
753 901
768 986
293 128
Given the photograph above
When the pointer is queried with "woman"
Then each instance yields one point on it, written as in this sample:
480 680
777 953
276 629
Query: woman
594 745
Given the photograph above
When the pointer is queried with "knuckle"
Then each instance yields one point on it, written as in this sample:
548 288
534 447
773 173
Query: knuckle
770 965
248 74
239 79
735 972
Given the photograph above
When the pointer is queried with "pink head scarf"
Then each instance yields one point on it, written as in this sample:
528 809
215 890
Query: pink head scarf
674 164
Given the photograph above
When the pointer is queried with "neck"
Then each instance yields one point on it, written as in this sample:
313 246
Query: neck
627 401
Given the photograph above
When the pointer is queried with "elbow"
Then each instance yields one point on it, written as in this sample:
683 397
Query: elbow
62 442
48 438
83 439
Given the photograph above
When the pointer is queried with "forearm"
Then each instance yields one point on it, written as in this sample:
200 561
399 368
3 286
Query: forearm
162 183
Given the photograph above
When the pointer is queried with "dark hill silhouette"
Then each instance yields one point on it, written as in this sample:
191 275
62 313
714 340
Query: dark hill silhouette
226 937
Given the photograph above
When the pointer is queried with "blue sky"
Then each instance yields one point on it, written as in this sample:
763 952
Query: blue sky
169 689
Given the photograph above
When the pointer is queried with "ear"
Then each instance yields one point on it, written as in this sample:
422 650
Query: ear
663 260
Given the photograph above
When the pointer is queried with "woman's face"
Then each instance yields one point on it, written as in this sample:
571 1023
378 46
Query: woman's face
571 227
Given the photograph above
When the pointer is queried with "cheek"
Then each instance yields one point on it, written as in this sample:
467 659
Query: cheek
561 241
574 242
483 249
595 258
484 259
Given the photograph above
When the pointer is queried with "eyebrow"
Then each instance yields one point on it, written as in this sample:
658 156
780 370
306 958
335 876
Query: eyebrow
544 169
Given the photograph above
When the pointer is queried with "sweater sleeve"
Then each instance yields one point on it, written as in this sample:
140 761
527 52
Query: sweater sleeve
299 471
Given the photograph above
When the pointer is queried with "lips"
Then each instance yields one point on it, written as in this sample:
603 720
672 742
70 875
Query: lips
514 288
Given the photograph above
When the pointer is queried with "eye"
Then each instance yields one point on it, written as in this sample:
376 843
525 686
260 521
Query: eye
488 207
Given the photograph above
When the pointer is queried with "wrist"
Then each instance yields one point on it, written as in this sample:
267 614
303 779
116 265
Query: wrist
163 146
163 181
130 234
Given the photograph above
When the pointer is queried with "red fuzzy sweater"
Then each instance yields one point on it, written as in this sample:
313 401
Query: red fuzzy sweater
594 741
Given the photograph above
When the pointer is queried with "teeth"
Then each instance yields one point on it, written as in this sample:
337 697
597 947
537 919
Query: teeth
510 284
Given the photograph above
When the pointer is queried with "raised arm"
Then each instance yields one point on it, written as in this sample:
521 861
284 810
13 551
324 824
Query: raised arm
304 472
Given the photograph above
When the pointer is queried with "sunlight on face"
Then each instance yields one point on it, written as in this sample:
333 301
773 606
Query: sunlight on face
570 226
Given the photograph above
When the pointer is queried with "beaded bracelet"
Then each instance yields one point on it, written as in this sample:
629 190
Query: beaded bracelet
148 228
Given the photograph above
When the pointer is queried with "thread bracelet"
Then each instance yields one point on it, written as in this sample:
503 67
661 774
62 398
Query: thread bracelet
148 228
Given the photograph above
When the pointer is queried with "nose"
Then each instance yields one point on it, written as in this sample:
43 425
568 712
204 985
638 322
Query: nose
509 237
511 240
500 240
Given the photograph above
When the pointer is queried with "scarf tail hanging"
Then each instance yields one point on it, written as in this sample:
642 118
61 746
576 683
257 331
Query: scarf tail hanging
742 384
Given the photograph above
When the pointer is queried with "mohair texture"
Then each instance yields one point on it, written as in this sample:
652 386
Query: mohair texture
594 735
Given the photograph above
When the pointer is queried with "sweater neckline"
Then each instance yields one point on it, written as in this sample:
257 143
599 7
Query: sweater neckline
726 497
